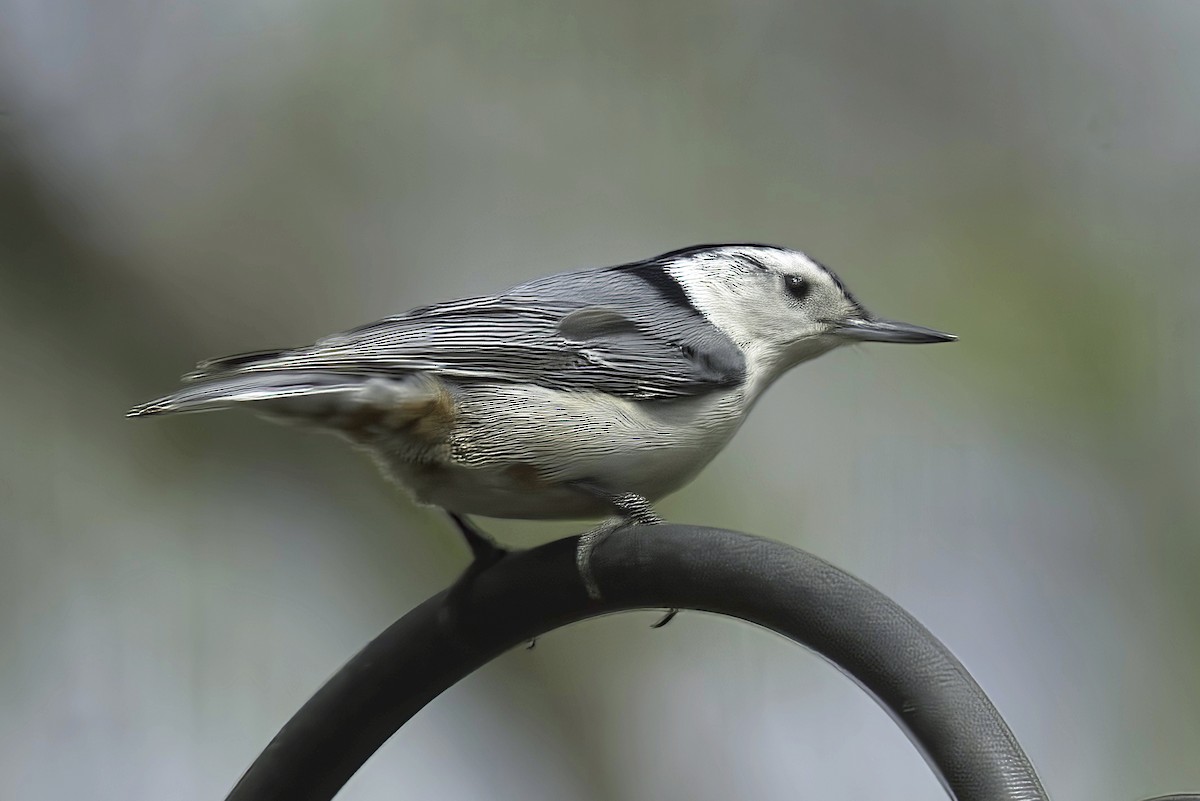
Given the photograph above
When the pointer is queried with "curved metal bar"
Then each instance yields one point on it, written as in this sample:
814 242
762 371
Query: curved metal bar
528 593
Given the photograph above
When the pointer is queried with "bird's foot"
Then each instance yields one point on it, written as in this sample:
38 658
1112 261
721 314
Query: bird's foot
633 510
485 552
583 555
588 541
483 547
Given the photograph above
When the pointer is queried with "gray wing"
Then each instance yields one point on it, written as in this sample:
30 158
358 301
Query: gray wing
593 330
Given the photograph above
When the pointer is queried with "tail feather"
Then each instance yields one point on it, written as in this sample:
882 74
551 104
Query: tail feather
267 389
360 407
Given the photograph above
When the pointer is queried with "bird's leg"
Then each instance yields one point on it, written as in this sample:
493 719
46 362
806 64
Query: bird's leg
632 509
485 552
483 547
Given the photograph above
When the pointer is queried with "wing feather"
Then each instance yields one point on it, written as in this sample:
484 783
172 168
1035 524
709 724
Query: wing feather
553 342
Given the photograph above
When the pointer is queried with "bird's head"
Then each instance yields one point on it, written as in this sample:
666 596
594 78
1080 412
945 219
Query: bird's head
779 305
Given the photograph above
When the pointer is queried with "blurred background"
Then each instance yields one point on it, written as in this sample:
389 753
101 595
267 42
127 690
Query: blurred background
181 180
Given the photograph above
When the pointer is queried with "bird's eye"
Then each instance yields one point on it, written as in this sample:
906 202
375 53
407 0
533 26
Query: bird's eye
797 287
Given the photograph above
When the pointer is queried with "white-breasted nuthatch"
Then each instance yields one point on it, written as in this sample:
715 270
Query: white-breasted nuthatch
579 394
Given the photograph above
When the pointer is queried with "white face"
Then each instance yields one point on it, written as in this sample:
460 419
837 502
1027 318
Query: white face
780 306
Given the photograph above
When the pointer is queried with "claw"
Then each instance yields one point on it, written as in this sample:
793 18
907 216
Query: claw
665 619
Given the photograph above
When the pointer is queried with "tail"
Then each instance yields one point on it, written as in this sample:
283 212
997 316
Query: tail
360 407
290 394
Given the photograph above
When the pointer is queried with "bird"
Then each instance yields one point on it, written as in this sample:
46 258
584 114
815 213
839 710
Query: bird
583 394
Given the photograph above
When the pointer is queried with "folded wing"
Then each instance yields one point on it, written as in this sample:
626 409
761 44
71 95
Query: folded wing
635 350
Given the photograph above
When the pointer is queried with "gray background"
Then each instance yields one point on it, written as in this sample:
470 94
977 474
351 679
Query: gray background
181 180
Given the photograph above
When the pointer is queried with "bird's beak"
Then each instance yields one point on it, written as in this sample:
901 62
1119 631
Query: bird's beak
864 330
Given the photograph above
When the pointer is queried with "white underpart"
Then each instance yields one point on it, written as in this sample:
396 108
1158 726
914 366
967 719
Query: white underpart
516 449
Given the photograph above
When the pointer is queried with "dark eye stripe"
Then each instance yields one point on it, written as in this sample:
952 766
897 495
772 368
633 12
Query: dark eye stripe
797 287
